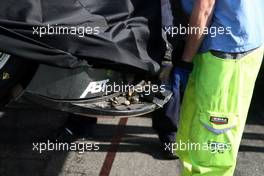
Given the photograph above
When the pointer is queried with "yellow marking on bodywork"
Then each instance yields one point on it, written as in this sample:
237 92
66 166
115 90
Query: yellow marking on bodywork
6 76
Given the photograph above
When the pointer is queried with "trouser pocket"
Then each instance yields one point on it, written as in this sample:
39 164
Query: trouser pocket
214 135
218 123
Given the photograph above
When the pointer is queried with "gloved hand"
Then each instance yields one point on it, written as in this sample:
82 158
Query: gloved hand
180 75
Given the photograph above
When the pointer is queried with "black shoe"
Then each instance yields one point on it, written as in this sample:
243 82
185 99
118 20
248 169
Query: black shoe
167 152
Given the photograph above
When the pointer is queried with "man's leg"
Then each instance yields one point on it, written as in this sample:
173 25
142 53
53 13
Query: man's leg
166 129
214 113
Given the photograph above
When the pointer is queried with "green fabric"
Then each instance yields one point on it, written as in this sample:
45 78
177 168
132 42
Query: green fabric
214 112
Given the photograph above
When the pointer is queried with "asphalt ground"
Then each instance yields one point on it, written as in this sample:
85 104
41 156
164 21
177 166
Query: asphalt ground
120 147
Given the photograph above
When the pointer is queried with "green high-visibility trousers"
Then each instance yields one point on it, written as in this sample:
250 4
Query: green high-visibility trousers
214 112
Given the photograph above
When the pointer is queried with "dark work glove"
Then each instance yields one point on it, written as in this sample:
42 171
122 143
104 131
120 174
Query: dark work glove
180 75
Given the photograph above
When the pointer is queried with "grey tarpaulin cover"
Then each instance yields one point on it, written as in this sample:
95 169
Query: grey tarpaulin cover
129 32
